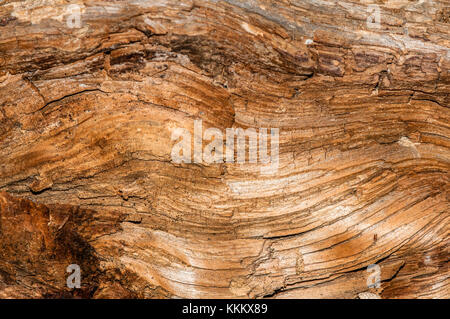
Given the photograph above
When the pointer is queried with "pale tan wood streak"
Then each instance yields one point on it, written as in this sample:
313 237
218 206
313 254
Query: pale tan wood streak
86 117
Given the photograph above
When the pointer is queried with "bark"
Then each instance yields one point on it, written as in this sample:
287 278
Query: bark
87 177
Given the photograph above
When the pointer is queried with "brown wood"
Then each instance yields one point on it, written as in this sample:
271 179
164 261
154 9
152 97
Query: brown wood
87 177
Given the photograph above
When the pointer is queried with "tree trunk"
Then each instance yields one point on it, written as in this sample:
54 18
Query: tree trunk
91 95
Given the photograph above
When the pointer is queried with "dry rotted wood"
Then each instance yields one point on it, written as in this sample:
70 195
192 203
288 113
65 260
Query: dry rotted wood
87 177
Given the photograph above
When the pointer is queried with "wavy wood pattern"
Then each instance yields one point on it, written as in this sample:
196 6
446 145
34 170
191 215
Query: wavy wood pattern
86 119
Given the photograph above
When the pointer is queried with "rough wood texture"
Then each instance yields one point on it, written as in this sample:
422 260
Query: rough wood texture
85 147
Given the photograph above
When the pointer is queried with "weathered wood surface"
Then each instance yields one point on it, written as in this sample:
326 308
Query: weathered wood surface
85 147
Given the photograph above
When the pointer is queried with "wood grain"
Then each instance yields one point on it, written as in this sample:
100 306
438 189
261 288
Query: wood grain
363 114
